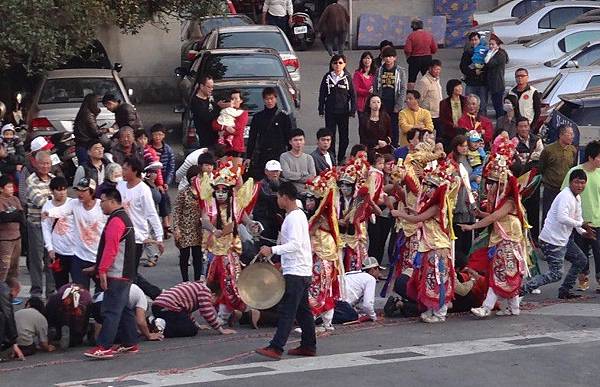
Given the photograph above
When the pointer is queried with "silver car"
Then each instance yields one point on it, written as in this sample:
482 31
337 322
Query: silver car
256 36
553 15
507 10
553 44
60 94
569 81
583 55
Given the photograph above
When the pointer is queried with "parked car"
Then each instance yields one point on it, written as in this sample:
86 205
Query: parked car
197 30
553 44
60 94
251 94
507 10
581 56
581 109
256 36
571 80
553 15
260 63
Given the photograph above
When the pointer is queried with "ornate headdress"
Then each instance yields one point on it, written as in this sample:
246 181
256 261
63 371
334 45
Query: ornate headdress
355 170
498 166
319 185
440 175
227 174
398 172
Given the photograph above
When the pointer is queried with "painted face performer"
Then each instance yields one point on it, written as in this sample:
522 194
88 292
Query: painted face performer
507 238
319 205
433 277
353 208
225 205
406 178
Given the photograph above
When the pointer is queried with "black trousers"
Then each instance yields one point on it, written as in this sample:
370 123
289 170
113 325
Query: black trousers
462 246
416 65
178 324
294 305
343 313
184 258
149 289
339 121
532 206
378 234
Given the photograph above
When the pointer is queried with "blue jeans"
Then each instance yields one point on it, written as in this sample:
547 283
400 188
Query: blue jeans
294 306
82 155
481 92
497 102
118 318
555 257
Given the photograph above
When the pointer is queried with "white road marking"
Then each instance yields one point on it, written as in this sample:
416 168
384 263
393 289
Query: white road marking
343 360
568 309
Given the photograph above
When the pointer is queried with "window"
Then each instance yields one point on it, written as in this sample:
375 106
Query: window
578 38
259 39
73 90
252 96
244 66
558 17
594 82
587 56
526 6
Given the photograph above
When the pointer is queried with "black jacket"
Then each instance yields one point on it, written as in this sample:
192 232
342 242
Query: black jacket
337 98
320 163
85 127
471 78
269 134
126 115
494 72
8 327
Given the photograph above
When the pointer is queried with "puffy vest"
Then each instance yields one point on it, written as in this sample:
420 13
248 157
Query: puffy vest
525 102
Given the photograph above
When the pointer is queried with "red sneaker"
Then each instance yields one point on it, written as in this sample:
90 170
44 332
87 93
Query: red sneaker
100 352
128 348
301 351
271 352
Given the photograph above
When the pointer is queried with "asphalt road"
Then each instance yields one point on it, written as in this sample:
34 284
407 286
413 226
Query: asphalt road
551 344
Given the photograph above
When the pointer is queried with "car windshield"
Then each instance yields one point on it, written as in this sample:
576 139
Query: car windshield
261 39
73 90
244 66
541 37
207 25
526 16
560 59
252 96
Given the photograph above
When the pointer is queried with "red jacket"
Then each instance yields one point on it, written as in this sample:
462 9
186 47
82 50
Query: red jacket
362 87
238 136
448 130
480 123
420 43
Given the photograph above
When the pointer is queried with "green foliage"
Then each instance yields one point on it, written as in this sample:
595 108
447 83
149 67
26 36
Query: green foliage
40 35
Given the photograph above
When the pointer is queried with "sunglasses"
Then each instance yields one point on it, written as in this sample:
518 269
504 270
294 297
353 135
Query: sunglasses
339 63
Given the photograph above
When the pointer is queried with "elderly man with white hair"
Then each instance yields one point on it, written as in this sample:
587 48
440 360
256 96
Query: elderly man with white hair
37 193
472 119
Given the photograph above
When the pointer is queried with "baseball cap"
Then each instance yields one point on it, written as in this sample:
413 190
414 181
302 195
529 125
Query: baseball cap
474 136
153 166
85 183
40 143
273 165
6 128
369 263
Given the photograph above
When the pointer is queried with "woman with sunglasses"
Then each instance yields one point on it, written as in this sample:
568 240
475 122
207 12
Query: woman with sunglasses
337 102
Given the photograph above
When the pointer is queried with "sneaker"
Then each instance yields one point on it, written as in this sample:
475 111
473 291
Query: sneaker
566 295
300 351
299 330
583 282
16 301
536 291
270 352
432 319
328 327
319 329
128 348
481 312
100 352
65 337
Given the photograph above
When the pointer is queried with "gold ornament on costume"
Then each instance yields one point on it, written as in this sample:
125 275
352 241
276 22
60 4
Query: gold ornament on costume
320 185
226 174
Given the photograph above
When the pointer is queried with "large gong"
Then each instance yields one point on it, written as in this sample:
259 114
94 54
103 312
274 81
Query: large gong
261 285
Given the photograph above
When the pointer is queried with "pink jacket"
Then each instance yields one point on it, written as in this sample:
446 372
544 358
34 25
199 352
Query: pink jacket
362 87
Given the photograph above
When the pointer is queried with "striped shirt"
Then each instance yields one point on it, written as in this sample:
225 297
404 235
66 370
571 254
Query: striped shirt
38 192
188 297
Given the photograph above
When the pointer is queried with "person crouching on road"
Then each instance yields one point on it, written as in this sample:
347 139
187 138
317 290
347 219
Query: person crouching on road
116 266
296 263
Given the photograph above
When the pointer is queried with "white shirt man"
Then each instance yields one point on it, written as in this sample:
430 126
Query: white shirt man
141 210
360 285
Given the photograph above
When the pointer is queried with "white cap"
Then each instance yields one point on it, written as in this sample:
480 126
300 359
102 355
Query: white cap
7 127
38 144
273 165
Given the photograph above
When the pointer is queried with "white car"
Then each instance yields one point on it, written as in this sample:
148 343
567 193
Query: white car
60 94
553 15
256 36
508 10
583 55
570 81
551 45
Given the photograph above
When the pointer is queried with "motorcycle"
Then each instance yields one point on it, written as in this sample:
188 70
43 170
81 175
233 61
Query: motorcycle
302 31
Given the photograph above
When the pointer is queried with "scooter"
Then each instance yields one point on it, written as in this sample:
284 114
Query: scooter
302 31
